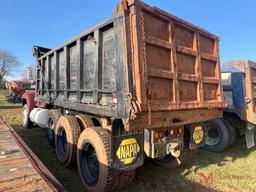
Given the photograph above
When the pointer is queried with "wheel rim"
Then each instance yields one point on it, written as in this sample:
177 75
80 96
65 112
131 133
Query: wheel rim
50 131
25 115
62 142
89 164
212 134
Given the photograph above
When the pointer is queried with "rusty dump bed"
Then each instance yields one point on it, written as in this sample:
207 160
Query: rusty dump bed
20 169
249 69
143 65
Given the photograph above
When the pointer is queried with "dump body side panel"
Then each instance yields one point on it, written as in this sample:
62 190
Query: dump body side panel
88 72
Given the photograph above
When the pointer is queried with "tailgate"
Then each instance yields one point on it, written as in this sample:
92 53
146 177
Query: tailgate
176 64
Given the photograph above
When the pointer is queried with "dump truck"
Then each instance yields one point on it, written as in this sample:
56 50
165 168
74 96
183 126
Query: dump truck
139 84
239 83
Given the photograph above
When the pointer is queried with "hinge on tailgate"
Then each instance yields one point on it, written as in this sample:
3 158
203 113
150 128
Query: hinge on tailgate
134 108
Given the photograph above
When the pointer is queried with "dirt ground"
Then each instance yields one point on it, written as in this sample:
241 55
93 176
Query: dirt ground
231 171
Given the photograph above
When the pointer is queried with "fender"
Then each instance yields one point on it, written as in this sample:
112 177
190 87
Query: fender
28 98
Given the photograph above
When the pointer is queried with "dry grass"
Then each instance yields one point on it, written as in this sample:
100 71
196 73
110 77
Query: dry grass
233 170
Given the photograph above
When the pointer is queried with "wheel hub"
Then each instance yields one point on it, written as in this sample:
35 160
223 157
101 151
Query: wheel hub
62 142
89 164
213 135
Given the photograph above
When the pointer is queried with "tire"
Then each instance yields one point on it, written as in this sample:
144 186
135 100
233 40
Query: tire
95 142
171 162
25 118
219 135
84 121
66 137
234 136
53 117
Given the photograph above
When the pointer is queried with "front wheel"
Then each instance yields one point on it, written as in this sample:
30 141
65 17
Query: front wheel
93 160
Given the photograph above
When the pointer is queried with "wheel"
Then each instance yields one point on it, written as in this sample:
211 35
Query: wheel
25 117
66 137
93 162
84 121
219 135
234 136
171 162
53 117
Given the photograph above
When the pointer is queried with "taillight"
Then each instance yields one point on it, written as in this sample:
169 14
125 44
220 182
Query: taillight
158 135
172 133
180 131
176 132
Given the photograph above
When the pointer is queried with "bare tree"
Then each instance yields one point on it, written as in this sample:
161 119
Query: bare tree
8 62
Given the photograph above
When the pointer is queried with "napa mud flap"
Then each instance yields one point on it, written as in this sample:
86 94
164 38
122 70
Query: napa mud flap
197 136
127 148
249 134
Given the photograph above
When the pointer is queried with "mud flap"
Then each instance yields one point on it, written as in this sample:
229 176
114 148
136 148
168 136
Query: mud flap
197 136
249 134
127 148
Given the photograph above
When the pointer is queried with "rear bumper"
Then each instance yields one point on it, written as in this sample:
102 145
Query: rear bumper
163 119
193 137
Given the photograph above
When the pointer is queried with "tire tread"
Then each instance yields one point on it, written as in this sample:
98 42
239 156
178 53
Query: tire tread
115 180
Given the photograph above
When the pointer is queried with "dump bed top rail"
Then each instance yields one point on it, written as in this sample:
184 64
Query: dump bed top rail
169 15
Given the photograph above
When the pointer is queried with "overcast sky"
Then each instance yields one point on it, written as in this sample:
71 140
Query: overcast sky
49 23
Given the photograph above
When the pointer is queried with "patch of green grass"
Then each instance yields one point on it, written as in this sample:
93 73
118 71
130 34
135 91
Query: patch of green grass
4 91
232 170
36 139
